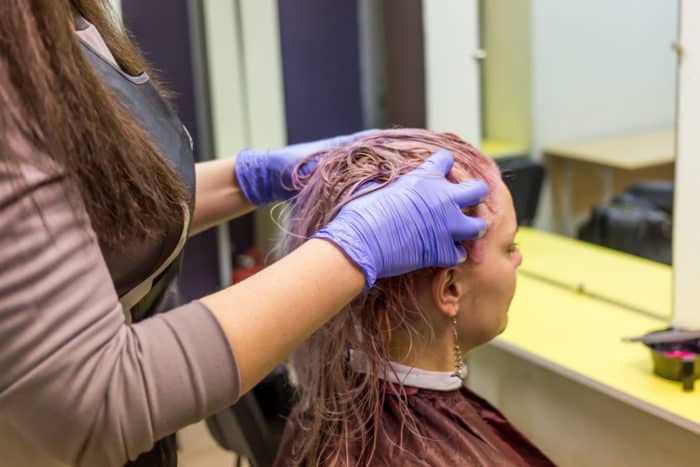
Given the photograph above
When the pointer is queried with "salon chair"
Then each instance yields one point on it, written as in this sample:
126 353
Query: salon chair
638 221
252 428
524 179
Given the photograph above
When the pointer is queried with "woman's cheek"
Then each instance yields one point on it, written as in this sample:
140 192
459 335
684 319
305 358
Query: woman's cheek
476 250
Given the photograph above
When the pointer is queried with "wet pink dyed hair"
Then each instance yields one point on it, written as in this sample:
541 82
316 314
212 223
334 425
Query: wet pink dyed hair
339 410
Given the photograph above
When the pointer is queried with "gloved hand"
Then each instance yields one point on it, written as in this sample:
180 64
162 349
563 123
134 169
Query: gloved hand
410 224
265 176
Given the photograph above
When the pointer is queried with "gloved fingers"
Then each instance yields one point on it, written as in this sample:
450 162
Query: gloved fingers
469 193
364 187
463 227
301 150
439 163
461 253
304 169
458 256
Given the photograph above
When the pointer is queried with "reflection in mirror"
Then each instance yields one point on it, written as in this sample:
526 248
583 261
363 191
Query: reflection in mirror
582 91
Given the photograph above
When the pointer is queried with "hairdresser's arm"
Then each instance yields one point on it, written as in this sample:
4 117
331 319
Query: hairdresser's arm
283 312
111 390
219 197
231 187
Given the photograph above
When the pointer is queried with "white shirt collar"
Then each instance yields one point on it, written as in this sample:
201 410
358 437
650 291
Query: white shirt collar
411 376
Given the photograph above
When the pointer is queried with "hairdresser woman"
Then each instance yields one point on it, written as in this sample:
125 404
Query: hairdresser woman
98 193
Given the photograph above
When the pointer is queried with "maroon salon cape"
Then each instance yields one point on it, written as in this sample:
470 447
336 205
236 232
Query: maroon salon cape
458 428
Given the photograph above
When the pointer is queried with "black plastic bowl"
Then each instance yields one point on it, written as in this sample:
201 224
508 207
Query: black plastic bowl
677 361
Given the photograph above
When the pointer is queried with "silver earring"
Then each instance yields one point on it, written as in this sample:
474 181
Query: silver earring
459 358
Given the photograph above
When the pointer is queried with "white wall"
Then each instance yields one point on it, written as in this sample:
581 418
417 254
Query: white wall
245 75
686 254
602 67
262 52
117 5
507 73
246 91
452 73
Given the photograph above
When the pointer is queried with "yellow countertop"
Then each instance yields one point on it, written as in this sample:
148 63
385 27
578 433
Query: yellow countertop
580 337
498 149
629 152
608 274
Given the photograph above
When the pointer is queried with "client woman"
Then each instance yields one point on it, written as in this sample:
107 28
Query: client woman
382 382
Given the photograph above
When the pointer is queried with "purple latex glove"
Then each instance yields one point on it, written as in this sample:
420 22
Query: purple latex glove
265 176
410 224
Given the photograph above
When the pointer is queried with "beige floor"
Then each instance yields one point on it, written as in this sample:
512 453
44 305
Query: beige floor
198 449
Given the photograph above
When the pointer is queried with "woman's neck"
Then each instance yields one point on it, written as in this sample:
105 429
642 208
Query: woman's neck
436 354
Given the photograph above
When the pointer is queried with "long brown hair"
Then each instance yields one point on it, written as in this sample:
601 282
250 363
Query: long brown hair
338 417
51 97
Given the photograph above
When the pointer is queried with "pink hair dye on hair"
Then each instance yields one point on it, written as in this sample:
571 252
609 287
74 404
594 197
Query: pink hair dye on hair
339 410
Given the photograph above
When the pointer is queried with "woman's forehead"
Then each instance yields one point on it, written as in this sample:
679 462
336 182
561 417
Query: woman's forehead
504 220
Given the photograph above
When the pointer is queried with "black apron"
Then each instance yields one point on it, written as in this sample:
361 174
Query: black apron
166 131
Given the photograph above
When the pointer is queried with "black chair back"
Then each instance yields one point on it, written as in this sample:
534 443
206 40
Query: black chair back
524 179
253 427
242 429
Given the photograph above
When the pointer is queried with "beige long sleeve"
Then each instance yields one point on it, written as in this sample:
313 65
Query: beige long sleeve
74 378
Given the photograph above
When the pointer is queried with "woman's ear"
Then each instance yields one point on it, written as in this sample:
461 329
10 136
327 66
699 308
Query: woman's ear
447 290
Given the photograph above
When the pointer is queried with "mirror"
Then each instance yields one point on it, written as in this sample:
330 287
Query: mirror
582 91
